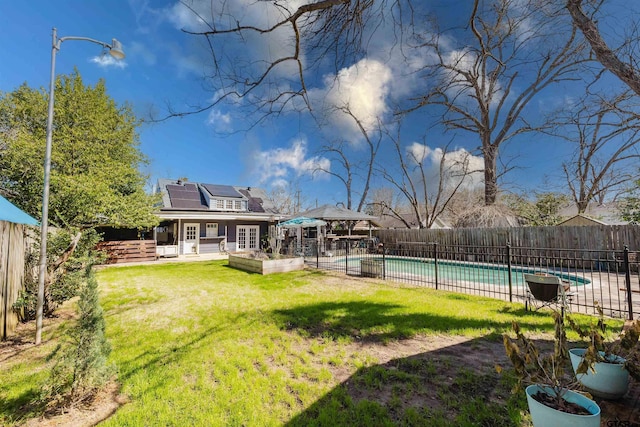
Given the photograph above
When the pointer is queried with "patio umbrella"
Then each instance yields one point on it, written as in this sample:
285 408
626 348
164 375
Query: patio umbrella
301 221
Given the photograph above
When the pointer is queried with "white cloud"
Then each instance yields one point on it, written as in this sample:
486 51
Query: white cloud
456 163
362 88
275 165
190 17
281 183
106 60
221 122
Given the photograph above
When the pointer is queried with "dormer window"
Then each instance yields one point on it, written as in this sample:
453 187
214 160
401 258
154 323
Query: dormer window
228 205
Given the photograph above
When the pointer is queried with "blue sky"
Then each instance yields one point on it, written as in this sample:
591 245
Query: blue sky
164 67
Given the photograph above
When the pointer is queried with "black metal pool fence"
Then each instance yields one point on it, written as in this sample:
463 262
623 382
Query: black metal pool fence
610 279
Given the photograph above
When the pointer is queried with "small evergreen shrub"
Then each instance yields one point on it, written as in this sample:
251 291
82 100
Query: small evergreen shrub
81 368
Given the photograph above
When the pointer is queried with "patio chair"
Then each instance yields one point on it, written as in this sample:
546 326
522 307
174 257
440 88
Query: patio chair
545 290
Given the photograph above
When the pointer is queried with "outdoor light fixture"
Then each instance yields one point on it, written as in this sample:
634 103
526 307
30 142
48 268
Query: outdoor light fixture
115 49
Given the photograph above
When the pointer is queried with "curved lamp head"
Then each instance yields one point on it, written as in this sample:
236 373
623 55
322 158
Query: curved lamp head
116 49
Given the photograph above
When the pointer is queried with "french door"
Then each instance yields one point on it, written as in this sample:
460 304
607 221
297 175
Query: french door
248 238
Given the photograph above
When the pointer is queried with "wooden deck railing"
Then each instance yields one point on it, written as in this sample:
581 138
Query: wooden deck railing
121 251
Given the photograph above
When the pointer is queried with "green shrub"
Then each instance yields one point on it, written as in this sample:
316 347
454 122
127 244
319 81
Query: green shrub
81 368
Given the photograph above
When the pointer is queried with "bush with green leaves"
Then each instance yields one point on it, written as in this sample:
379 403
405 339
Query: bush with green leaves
64 286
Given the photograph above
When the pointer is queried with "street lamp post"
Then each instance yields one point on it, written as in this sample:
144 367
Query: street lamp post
115 49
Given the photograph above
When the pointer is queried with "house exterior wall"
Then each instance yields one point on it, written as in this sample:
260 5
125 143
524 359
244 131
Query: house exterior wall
209 245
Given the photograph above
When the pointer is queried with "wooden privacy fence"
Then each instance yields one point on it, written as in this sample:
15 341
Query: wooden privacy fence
121 251
603 238
12 255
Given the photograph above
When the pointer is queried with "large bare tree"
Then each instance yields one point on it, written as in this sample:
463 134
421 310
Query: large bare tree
428 190
605 131
484 76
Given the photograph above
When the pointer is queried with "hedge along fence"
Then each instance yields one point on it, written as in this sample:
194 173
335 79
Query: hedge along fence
12 256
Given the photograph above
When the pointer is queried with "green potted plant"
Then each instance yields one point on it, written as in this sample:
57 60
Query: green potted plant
604 366
552 395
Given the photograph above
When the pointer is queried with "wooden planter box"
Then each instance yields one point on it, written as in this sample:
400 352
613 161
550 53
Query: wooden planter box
266 266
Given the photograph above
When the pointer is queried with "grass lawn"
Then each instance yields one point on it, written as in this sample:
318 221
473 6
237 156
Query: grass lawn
201 344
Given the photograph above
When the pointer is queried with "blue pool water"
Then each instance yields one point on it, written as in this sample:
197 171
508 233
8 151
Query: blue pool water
473 272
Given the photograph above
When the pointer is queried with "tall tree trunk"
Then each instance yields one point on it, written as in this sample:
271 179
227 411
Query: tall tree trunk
490 175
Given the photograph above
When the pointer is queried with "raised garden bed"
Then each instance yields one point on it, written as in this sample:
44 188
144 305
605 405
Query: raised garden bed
265 265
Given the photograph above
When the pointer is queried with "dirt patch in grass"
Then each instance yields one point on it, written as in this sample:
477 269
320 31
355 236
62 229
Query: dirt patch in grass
416 372
102 407
15 350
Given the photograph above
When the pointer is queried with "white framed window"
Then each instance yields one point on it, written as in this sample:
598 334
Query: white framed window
212 229
228 205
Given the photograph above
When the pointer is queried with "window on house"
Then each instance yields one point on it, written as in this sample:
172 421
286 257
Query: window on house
220 204
229 204
212 229
238 205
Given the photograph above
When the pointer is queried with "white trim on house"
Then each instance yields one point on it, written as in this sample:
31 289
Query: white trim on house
218 216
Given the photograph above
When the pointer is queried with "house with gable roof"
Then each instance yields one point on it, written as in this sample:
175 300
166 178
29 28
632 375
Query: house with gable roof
199 218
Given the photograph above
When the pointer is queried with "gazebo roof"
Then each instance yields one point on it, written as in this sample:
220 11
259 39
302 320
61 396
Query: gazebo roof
336 213
301 221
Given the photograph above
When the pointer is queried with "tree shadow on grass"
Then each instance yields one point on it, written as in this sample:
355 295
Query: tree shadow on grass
455 384
377 322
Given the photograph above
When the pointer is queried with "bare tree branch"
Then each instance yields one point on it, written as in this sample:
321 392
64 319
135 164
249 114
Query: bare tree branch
605 55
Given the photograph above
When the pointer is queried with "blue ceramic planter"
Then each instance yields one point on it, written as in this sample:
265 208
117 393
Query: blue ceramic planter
609 381
544 416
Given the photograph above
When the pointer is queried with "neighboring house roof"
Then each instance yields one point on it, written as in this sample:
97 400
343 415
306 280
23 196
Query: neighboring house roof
11 213
607 214
581 219
392 222
193 200
336 213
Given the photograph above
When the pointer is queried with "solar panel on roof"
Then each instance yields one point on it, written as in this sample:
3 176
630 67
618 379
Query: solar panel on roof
185 197
255 203
222 190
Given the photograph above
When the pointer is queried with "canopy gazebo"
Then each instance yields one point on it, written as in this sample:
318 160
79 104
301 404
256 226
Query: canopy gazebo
300 222
331 213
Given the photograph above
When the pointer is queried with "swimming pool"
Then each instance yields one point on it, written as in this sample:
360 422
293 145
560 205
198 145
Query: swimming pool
493 274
